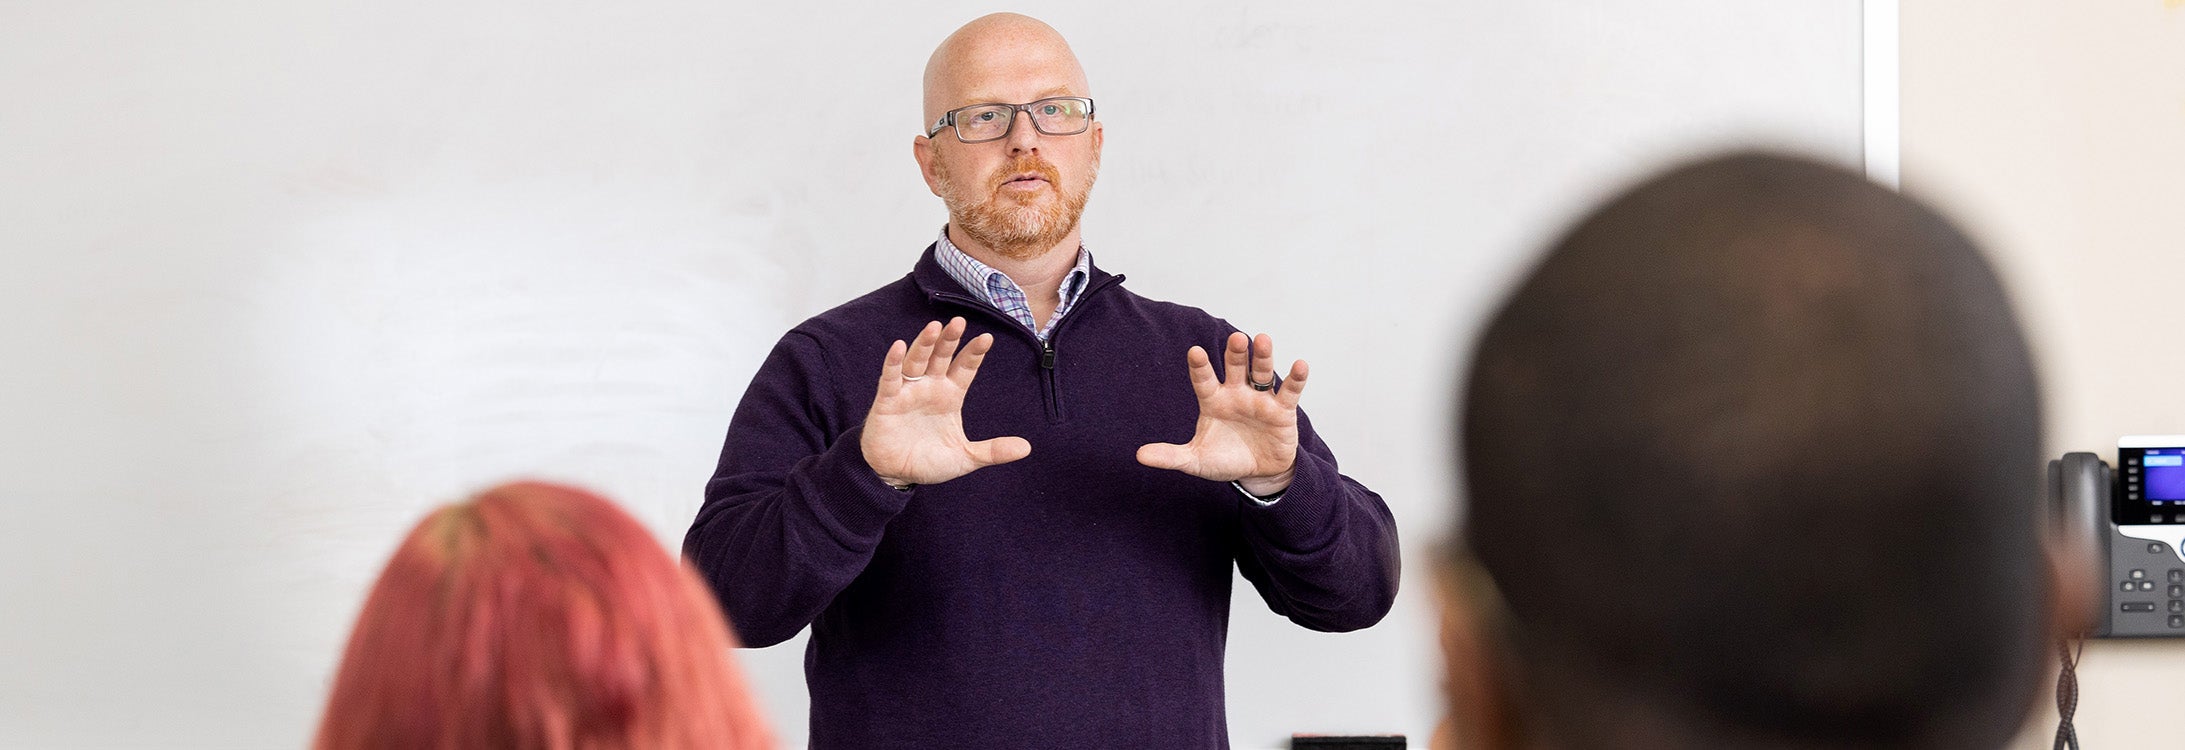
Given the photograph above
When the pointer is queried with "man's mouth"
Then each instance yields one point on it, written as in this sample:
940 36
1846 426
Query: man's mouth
1027 182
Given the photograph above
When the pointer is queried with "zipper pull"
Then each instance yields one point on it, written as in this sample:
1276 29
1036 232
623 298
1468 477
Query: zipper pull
1047 354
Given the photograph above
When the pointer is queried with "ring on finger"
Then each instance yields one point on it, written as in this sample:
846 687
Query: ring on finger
1259 386
913 378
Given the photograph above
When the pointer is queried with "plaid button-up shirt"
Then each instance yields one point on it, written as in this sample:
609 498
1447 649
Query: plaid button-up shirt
996 287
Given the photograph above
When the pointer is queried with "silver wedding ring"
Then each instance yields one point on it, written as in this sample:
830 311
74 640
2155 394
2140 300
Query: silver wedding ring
1259 386
909 379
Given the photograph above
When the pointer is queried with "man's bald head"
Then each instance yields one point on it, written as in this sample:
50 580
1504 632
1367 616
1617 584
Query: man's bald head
1018 193
993 51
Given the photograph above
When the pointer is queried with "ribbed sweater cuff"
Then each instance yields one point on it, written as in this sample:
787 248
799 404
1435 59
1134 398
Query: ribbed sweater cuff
1304 520
854 497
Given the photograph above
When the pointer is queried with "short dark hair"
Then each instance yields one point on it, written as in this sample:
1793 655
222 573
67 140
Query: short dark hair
1755 450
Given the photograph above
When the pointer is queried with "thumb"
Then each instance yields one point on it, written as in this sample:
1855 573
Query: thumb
1164 455
999 450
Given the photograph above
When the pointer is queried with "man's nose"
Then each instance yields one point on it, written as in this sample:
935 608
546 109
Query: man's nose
1023 136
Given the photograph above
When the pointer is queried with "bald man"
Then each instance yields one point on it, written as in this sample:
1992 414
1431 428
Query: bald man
1042 560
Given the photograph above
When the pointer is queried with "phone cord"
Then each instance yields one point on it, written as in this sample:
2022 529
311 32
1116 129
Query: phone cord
2068 651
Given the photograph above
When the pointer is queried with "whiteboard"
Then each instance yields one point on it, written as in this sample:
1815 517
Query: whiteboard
282 276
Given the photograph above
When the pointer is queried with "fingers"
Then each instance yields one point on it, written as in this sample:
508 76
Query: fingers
1235 359
1292 386
921 351
1263 359
1164 456
999 450
891 369
1203 382
951 336
966 364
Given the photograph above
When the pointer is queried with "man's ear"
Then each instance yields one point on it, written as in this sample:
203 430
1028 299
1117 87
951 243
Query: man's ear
921 148
1480 714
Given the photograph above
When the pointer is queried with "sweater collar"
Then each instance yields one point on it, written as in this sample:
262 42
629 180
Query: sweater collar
932 280
983 280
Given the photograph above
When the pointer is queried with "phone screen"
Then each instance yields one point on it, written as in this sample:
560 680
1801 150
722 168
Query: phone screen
2151 486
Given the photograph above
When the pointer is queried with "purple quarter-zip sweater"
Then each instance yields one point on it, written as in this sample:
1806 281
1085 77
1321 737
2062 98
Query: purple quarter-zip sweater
1072 599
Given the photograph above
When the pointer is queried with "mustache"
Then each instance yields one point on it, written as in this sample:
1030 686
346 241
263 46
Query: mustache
1022 164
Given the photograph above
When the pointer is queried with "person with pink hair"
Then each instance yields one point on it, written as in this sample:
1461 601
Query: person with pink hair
538 616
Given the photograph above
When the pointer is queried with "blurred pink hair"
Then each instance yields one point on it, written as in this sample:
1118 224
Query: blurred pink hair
538 616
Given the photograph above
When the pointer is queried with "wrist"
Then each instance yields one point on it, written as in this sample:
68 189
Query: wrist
1268 486
899 485
864 449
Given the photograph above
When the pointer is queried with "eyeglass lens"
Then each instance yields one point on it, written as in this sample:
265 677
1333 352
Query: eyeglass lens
1050 116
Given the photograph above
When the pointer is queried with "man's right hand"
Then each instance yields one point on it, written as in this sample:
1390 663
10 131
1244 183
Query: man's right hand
914 433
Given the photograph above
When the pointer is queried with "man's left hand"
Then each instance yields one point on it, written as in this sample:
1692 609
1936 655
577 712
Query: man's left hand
1245 435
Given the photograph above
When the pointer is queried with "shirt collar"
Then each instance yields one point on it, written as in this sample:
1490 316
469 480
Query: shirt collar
980 278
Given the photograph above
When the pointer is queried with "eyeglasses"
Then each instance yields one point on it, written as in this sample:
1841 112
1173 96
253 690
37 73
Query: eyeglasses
979 123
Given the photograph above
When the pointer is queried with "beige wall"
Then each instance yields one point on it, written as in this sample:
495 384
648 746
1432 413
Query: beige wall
2056 131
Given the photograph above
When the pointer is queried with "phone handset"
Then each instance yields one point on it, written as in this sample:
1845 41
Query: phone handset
2078 492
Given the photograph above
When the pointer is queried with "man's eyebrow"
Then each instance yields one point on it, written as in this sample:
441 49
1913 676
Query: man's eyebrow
991 99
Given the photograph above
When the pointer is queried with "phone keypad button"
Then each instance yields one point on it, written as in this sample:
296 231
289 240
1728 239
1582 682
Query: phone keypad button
2177 605
2177 621
2146 585
2137 607
2127 586
2177 575
2155 548
2177 590
2137 574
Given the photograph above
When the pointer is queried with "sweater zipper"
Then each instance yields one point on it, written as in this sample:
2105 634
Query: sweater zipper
1050 388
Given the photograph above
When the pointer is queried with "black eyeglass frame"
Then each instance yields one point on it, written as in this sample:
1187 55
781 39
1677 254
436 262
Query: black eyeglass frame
948 119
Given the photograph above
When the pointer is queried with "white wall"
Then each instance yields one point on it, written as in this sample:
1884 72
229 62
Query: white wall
281 276
2056 130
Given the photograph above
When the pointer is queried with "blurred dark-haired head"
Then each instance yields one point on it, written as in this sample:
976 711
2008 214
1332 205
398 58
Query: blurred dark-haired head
1751 460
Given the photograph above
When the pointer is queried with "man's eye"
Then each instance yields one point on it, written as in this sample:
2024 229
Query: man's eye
1051 109
985 116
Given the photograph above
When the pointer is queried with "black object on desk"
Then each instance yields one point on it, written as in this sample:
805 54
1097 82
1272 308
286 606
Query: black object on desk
1339 742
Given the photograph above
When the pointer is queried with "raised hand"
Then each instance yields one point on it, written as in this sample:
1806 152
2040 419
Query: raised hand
914 433
1247 431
